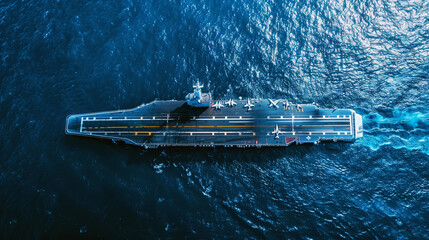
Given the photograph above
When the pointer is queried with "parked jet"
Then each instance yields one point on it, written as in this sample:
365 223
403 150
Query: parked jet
248 105
276 131
231 103
217 105
287 104
273 103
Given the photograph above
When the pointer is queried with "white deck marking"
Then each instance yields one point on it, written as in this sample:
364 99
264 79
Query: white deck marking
293 127
125 118
81 123
214 117
332 119
316 121
268 117
281 117
351 127
226 117
162 119
209 119
228 133
338 116
324 116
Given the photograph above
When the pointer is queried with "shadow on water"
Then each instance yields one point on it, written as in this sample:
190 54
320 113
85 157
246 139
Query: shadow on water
137 155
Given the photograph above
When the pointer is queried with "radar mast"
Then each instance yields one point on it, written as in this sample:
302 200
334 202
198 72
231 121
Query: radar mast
197 98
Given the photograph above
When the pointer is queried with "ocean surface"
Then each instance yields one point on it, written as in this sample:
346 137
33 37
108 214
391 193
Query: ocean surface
65 57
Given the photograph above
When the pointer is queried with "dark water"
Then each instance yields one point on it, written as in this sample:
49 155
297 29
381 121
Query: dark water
64 57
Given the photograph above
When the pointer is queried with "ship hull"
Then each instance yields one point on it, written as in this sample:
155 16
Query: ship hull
175 123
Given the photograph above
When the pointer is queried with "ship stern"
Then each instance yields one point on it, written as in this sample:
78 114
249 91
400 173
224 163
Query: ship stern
358 126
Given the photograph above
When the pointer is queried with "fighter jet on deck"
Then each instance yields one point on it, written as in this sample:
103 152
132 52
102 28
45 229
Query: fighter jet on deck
248 105
230 103
286 104
217 105
273 103
277 131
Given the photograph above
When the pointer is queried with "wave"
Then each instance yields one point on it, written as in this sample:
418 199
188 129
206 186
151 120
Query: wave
406 128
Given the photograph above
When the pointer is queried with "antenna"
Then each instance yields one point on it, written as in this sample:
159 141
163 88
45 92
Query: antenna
198 86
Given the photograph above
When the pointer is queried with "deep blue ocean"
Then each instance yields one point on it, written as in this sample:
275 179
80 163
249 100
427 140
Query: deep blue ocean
64 57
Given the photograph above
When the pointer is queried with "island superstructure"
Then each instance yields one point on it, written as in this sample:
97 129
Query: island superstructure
200 121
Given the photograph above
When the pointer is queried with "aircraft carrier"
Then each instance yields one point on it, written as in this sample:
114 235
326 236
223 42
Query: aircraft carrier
200 121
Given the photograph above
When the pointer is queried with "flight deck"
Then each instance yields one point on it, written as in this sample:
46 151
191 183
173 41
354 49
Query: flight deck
241 123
